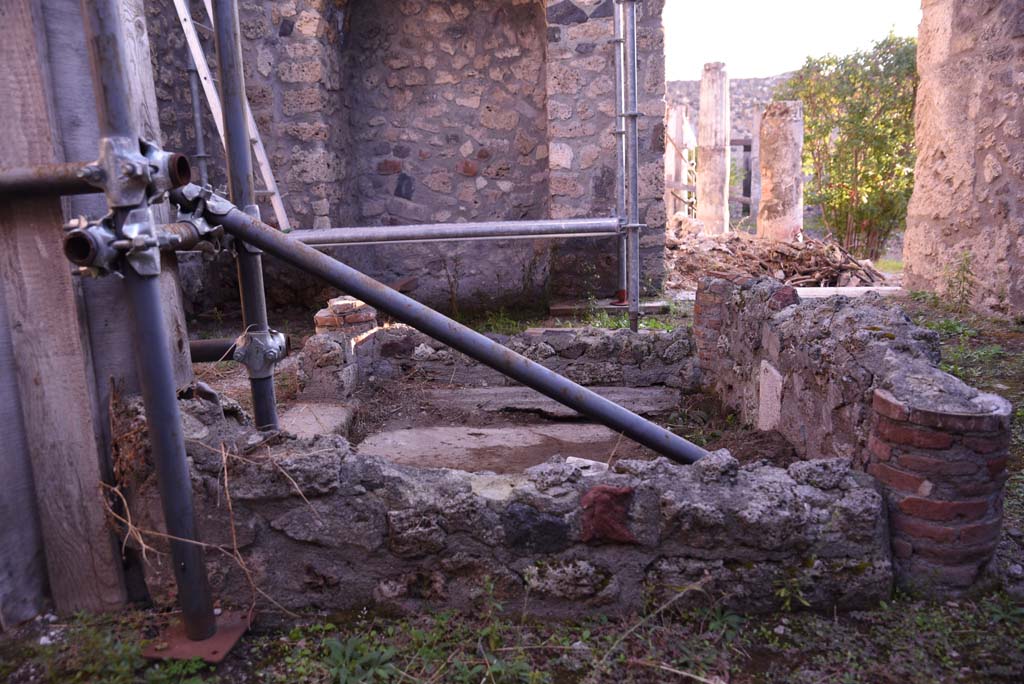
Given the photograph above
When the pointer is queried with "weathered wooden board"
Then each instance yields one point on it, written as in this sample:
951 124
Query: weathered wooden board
82 561
22 566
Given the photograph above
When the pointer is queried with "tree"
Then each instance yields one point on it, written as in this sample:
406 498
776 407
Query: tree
859 139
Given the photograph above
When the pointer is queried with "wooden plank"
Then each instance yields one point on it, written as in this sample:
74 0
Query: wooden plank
22 565
81 556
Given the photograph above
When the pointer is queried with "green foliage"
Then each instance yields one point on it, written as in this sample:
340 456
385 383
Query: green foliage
859 139
960 282
179 672
358 661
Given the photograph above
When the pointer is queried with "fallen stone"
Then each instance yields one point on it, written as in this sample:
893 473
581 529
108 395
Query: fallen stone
309 419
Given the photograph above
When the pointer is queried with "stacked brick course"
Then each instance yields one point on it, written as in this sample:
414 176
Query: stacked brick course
856 379
943 470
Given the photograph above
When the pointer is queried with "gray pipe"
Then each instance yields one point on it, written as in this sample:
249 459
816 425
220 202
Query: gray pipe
105 41
459 231
47 179
456 335
243 192
621 296
633 163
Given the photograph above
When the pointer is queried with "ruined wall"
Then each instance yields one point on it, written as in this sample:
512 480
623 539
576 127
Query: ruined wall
745 96
969 183
581 109
856 379
426 111
556 540
447 111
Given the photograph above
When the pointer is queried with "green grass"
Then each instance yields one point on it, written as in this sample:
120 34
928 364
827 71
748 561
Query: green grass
905 640
889 265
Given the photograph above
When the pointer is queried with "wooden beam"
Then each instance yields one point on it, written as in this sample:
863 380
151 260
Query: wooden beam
83 565
22 566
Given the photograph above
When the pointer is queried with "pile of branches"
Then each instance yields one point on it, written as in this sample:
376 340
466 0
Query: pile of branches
810 263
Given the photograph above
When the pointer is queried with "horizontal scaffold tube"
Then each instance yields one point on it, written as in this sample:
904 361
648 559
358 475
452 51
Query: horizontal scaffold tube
494 230
46 179
456 335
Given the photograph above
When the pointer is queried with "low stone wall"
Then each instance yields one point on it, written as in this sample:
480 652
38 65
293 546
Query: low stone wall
319 527
857 379
336 361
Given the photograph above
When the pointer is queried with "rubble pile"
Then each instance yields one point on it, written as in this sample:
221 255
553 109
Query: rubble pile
808 263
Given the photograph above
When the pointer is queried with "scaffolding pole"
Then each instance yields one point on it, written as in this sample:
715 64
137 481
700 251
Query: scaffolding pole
243 193
440 327
117 124
619 43
442 232
631 116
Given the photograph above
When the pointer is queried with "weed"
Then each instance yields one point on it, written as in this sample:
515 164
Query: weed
358 661
949 327
179 672
790 593
960 282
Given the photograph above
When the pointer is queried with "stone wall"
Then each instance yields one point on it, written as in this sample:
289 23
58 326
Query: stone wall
856 379
587 356
428 111
745 96
556 540
969 184
581 121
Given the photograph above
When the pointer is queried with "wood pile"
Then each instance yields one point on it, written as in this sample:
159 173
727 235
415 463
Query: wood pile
810 263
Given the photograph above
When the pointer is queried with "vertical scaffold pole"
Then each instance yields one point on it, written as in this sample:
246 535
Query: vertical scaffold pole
117 124
630 117
619 43
243 193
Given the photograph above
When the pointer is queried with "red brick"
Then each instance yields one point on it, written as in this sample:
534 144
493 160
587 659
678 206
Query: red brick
954 554
901 548
931 509
389 167
988 444
879 449
467 168
984 488
959 422
905 434
981 533
325 318
897 479
935 466
948 575
361 317
919 529
889 406
996 466
783 297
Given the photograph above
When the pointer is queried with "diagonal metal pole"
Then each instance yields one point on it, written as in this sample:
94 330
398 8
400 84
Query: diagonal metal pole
440 327
105 42
243 193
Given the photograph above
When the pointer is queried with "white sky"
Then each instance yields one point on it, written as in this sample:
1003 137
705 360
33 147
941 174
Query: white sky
767 37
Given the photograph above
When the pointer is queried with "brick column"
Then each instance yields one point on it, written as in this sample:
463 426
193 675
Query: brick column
943 475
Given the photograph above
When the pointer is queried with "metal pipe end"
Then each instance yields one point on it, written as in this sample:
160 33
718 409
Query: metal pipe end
179 170
80 248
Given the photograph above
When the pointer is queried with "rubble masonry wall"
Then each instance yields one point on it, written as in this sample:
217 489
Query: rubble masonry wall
856 379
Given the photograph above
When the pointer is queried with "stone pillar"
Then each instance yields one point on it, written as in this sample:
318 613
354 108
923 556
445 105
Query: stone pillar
781 212
713 150
969 182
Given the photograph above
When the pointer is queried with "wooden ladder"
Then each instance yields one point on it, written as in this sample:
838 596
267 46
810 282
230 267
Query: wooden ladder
210 89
